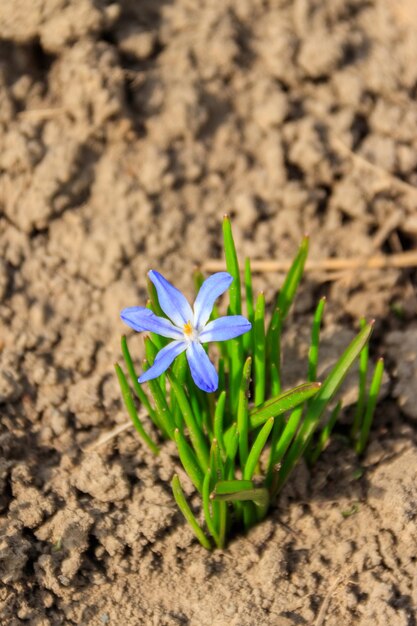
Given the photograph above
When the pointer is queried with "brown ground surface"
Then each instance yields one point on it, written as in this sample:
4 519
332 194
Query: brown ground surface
127 129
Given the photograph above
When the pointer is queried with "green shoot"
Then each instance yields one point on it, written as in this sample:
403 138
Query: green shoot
131 409
313 353
245 428
363 374
259 349
188 514
370 407
232 265
242 413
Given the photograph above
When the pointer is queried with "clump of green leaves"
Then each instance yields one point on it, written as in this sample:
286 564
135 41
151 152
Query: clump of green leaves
240 444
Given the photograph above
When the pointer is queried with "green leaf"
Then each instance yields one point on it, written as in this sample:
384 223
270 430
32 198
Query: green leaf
273 352
240 490
222 375
163 412
231 442
235 354
179 369
242 412
226 487
139 391
319 403
131 409
370 407
292 280
197 437
189 461
281 445
206 508
232 265
188 514
284 402
325 434
363 374
313 353
151 350
259 350
257 448
247 337
219 509
249 291
218 419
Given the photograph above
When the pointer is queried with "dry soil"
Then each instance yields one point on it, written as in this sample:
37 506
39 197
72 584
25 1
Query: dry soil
127 129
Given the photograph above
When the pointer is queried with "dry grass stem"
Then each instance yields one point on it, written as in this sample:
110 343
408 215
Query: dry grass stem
375 262
106 437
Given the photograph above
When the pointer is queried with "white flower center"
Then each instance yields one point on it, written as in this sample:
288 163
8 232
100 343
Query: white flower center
190 333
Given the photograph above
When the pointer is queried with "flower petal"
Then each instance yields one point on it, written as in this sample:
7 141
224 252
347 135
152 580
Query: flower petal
202 369
225 328
210 290
163 360
171 300
140 318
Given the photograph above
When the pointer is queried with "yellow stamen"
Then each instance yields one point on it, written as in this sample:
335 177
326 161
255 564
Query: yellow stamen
188 329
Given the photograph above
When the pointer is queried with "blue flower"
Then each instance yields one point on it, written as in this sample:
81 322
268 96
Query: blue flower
189 328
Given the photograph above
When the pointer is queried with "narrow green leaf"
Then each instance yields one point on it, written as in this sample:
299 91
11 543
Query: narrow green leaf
206 508
257 448
258 495
283 443
131 409
277 430
197 437
275 381
232 265
242 413
151 350
217 473
259 350
220 510
218 419
325 434
292 280
180 368
249 292
370 407
247 337
318 405
363 374
180 372
189 461
226 487
195 405
249 514
139 391
163 413
222 524
313 353
188 514
284 402
222 379
235 354
230 438
273 352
